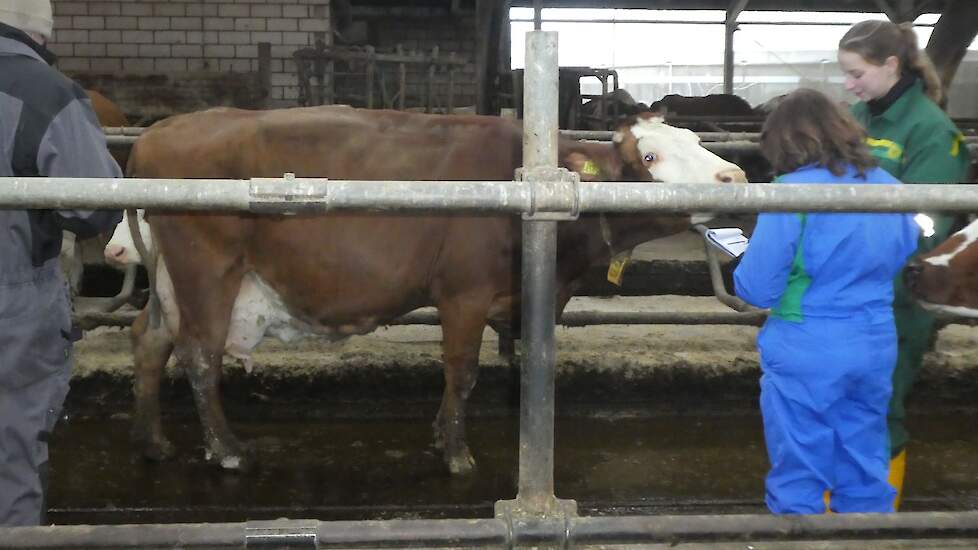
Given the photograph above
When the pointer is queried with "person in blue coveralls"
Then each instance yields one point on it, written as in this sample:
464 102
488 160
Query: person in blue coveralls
829 345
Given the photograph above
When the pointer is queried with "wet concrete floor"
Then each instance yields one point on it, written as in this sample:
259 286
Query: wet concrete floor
380 469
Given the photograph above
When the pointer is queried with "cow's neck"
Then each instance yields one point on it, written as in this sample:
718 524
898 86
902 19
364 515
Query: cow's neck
582 243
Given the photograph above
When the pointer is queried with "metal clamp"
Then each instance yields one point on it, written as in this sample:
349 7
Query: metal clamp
282 533
288 194
554 193
549 527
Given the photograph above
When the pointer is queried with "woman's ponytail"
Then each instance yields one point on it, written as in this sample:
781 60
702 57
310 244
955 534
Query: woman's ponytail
917 61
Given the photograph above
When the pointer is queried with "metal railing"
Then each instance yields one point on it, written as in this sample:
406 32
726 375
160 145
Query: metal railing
531 198
315 70
569 532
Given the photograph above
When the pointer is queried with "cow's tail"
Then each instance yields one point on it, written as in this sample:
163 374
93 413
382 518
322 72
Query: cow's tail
151 261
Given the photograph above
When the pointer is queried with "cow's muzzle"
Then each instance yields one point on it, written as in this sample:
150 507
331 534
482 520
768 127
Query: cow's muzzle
927 282
911 275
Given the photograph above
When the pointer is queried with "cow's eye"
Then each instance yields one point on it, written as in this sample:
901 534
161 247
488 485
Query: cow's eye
650 157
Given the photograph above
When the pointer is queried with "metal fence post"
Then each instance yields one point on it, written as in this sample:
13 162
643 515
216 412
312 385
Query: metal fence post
535 502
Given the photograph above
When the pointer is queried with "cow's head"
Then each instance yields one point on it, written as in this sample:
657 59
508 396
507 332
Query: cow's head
121 248
648 149
946 278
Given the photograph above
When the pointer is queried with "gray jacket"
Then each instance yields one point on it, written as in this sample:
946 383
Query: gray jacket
47 128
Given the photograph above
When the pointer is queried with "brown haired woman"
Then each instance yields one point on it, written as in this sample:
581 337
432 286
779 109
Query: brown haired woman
916 142
828 347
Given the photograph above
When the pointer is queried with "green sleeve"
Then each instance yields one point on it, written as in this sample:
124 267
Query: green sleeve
940 157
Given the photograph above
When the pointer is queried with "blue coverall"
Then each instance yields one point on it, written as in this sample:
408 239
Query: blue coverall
828 348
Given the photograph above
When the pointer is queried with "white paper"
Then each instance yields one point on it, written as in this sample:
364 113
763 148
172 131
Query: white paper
926 224
728 239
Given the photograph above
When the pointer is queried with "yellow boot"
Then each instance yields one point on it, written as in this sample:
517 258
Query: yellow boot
898 469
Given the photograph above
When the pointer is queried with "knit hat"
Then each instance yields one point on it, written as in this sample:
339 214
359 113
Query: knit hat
28 15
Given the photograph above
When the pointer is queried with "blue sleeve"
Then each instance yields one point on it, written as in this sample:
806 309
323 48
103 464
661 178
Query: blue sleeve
762 276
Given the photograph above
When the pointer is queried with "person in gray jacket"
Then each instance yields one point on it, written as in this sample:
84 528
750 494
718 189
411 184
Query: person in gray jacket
48 129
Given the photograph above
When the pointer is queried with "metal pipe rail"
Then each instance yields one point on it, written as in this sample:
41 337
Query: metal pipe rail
565 532
89 321
312 195
706 137
571 319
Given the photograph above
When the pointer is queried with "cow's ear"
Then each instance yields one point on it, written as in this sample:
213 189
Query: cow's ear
593 167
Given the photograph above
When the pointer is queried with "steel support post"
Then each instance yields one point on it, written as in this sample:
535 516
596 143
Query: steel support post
730 27
535 503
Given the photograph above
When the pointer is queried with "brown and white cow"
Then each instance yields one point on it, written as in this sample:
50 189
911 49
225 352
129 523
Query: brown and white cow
946 278
341 274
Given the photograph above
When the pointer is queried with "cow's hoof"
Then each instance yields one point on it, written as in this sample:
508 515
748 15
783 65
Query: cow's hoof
462 464
240 459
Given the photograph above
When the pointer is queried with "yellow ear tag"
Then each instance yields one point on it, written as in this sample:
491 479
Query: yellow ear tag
616 269
590 169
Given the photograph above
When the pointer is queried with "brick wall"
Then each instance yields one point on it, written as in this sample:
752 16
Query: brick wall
186 40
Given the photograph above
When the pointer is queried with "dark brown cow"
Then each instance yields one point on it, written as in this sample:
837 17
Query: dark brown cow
603 113
712 105
341 274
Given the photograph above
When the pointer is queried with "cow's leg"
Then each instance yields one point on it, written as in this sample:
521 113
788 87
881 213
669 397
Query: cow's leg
462 329
203 366
205 313
151 349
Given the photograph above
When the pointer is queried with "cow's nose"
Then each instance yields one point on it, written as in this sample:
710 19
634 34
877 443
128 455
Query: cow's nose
115 254
731 175
911 274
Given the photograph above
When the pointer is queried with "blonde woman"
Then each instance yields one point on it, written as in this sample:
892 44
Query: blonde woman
915 141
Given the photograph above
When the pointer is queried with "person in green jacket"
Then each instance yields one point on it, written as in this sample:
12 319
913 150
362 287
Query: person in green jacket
914 140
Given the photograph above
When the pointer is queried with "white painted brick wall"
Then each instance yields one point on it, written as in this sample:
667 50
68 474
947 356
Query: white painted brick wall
166 36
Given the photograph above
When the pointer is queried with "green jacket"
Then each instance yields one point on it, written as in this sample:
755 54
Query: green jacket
916 142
